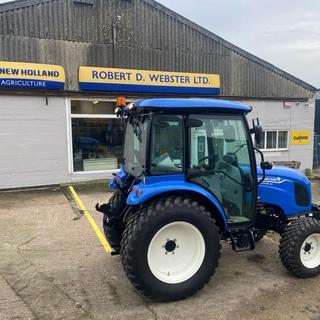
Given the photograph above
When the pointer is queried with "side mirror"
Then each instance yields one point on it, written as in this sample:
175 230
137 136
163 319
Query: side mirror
266 165
257 130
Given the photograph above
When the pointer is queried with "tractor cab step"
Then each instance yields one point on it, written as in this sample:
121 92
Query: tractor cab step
242 239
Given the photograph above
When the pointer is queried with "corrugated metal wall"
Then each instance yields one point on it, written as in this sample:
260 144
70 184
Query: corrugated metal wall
148 36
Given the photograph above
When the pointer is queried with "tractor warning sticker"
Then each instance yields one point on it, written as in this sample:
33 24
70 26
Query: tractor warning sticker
300 137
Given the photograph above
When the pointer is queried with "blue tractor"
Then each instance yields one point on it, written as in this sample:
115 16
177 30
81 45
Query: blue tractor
190 180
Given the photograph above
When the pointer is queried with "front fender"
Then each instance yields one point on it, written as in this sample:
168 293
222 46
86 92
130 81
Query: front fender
144 191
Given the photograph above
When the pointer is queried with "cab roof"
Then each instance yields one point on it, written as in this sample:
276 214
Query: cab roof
192 105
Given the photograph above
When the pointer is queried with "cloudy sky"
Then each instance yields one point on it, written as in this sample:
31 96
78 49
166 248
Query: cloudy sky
283 32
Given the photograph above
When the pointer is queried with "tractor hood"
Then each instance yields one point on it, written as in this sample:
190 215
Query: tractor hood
280 173
286 188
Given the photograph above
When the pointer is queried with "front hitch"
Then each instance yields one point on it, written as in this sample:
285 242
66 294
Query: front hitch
108 218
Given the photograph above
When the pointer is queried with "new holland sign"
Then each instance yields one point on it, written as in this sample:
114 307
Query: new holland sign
21 75
147 81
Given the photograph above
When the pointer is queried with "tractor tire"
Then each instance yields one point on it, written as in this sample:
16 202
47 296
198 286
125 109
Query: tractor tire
170 249
258 235
300 247
113 233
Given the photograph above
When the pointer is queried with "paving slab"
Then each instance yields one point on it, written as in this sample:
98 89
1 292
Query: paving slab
52 266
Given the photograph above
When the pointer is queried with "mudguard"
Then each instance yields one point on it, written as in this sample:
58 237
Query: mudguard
155 185
278 189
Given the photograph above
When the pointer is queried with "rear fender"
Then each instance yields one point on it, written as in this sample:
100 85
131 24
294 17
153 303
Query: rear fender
143 192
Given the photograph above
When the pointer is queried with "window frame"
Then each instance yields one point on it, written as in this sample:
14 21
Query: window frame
265 149
71 116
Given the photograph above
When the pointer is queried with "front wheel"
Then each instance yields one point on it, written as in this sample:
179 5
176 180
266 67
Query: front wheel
300 247
170 249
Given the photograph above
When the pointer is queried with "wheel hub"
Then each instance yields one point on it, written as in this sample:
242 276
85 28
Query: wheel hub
170 245
308 247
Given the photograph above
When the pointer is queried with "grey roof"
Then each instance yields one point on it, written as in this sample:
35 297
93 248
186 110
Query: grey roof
149 36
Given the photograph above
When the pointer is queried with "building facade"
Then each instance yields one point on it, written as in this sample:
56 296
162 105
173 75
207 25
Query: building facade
63 63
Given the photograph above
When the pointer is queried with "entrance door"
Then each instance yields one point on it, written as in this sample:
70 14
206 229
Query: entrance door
220 157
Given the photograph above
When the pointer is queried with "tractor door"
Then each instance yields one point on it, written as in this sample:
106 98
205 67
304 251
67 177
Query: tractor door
221 160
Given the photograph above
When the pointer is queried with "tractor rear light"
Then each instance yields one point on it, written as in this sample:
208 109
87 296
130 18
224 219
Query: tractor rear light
132 189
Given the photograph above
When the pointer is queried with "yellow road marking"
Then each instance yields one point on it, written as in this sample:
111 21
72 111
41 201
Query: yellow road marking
96 229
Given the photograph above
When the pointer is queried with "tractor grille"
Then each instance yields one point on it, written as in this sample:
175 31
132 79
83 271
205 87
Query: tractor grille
301 195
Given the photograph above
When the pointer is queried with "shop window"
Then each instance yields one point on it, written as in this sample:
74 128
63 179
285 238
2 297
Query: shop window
274 140
97 136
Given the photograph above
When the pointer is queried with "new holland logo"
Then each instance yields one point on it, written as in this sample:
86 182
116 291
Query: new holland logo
22 75
273 180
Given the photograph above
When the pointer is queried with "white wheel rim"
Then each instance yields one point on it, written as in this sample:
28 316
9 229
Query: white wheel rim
176 252
310 251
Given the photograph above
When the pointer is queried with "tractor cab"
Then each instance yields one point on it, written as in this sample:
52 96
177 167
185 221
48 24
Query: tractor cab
188 180
199 142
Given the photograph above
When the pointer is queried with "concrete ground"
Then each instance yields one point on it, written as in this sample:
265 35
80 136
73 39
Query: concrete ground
52 266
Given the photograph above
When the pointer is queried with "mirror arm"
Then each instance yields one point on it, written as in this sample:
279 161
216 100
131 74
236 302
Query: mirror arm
263 169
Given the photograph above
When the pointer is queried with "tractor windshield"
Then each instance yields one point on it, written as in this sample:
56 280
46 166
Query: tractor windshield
135 146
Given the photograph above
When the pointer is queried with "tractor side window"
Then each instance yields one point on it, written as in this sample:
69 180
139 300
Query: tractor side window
166 145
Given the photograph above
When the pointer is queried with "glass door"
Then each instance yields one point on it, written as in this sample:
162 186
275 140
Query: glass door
220 161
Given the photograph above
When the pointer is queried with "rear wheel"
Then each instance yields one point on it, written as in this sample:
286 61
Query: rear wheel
300 247
170 249
113 233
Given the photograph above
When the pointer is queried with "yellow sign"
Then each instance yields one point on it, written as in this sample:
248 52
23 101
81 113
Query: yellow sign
300 137
129 80
31 75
